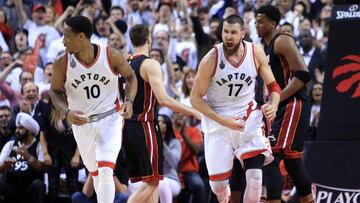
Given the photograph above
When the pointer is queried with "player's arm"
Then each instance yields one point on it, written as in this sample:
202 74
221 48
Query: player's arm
122 67
285 46
151 72
274 89
57 93
201 84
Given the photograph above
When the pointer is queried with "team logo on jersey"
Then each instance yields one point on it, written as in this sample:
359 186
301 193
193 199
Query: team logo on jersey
222 65
348 73
72 63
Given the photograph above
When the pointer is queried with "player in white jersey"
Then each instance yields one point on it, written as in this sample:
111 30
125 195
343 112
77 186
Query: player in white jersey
85 89
224 91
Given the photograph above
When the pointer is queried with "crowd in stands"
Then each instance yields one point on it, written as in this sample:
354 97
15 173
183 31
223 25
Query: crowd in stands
38 151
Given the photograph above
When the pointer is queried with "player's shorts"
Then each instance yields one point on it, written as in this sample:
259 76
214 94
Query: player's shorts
222 144
290 128
99 141
144 150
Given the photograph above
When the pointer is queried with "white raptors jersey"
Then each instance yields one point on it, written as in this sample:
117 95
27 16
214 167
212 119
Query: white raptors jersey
231 89
93 88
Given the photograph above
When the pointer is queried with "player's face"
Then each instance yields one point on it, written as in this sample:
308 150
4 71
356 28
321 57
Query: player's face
232 35
264 26
71 40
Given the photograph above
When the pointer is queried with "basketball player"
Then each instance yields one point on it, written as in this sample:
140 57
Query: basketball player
142 139
224 91
85 89
292 119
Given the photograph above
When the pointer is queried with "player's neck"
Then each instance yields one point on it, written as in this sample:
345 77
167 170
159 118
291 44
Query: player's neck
141 51
268 38
86 55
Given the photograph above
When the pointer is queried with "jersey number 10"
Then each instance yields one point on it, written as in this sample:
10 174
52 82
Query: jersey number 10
92 92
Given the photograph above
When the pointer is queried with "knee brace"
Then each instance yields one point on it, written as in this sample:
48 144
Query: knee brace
253 185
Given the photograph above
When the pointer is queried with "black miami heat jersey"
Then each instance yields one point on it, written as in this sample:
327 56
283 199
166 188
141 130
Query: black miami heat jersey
145 104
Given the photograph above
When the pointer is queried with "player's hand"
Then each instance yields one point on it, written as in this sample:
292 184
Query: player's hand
233 123
75 117
47 159
127 109
269 111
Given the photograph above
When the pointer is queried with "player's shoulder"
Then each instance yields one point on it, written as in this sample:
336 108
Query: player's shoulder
283 43
61 59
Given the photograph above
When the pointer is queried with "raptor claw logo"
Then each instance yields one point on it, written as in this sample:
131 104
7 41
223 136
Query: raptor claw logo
351 65
72 63
222 65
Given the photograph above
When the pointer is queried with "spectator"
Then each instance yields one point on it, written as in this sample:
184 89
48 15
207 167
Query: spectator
169 187
313 57
29 104
37 26
21 43
60 151
21 161
190 139
316 97
5 132
287 28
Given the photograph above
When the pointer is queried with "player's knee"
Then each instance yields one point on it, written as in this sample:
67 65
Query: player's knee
105 174
219 187
254 183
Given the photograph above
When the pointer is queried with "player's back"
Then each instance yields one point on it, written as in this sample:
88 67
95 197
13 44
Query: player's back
92 89
145 107
280 66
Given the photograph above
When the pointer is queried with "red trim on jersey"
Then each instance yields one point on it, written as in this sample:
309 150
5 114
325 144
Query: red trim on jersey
286 69
220 176
242 57
66 63
147 101
248 111
252 154
92 63
293 155
102 164
94 173
117 105
109 61
155 158
293 127
284 127
254 58
216 61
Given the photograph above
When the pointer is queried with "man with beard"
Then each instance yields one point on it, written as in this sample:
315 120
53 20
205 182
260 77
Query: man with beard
224 91
21 161
5 132
292 119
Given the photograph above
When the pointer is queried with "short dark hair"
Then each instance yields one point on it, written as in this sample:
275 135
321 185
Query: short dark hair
288 24
232 19
4 107
160 52
80 24
139 34
118 8
271 12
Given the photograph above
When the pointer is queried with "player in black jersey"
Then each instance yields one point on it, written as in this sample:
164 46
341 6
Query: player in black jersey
142 138
292 118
